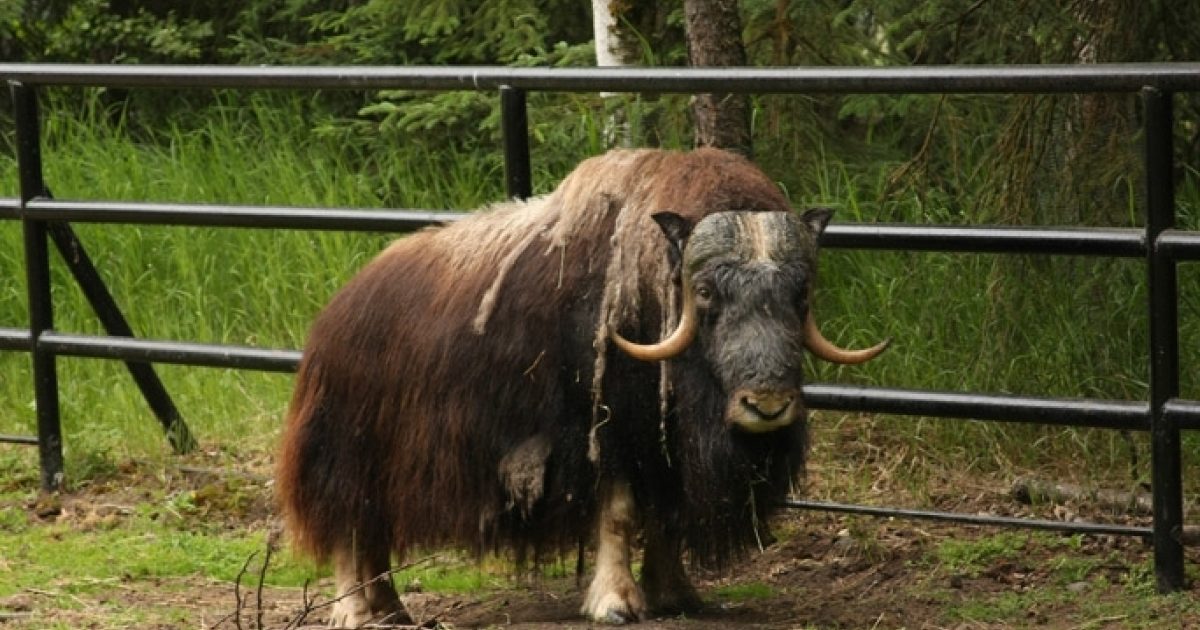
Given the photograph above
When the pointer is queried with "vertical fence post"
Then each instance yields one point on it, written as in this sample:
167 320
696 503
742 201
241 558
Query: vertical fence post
1166 476
37 278
518 181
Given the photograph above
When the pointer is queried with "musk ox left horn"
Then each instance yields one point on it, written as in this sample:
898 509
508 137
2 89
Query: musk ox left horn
675 343
825 349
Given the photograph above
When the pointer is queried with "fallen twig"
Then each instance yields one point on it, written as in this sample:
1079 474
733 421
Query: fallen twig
221 473
1030 490
1137 503
310 606
272 541
237 591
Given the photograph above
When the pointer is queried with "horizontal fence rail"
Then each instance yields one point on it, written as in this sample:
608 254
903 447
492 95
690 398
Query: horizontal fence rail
1159 244
207 215
1068 527
1106 414
182 353
979 79
15 339
1064 241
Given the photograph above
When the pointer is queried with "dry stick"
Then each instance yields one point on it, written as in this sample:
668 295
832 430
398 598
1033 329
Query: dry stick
221 473
373 624
272 539
1029 490
236 615
222 620
237 590
308 601
358 588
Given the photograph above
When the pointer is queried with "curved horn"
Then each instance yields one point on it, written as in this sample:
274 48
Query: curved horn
822 347
673 345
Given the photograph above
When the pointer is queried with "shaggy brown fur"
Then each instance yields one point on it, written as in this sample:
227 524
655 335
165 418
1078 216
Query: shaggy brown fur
450 392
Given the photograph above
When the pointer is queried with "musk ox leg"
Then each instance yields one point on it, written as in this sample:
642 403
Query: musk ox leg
664 580
613 596
364 589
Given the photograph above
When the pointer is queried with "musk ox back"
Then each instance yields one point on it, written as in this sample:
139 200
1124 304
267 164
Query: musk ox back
476 384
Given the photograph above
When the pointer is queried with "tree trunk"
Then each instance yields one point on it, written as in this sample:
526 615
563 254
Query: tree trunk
714 38
616 46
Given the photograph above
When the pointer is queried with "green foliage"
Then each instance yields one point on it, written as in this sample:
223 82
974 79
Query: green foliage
440 31
97 31
747 591
1024 324
74 562
972 556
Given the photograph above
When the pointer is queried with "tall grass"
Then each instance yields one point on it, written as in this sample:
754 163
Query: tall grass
255 287
1023 324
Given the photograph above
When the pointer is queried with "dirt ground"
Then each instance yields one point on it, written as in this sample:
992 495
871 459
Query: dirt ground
820 577
825 571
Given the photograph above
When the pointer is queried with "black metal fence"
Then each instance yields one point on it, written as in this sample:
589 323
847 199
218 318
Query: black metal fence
1163 415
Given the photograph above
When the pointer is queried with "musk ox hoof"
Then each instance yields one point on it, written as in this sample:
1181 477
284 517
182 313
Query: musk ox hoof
615 606
354 612
686 601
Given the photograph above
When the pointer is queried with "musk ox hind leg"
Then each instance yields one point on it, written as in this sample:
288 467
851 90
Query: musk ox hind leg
613 596
364 588
664 580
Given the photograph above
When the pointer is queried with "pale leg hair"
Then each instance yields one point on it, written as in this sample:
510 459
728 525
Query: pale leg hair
614 596
364 590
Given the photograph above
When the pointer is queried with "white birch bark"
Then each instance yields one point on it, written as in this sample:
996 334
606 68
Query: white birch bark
612 50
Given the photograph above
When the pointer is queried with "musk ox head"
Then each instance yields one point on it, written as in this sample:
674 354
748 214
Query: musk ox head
746 279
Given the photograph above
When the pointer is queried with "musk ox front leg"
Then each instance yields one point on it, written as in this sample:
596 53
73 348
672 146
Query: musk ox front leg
364 588
664 580
614 596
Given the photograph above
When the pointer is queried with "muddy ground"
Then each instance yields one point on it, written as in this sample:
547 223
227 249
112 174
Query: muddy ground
830 572
825 571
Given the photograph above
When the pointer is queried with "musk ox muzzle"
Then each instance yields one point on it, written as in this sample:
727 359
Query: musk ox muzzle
746 279
763 410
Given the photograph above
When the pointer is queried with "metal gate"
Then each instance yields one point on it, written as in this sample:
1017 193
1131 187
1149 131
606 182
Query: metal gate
1162 247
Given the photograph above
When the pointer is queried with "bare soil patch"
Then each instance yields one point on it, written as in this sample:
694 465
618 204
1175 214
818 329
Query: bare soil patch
824 571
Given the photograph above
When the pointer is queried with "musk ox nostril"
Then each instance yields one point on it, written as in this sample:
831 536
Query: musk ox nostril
767 407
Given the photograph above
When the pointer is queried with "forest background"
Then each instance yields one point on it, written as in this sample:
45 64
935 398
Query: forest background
1036 325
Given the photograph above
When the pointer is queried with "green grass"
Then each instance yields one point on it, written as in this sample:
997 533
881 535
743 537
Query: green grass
748 591
146 528
971 556
1022 324
252 287
1098 605
70 561
152 542
1079 590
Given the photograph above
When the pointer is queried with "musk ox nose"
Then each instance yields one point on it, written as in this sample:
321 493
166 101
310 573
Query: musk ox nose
759 411
768 405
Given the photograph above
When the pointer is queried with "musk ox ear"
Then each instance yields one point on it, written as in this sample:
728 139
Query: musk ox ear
817 218
677 230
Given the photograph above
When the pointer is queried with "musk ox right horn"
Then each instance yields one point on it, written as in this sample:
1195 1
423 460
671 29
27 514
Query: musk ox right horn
675 343
825 349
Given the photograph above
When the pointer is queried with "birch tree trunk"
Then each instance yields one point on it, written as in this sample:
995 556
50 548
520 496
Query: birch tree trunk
615 47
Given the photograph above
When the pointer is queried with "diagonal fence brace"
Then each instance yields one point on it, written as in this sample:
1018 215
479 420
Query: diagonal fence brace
115 324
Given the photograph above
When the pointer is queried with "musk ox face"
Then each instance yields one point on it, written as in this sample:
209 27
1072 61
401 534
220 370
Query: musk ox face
750 274
746 279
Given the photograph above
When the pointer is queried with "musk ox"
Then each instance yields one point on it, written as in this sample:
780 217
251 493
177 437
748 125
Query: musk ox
475 385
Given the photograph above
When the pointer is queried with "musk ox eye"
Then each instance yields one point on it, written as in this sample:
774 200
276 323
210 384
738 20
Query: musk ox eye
704 292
